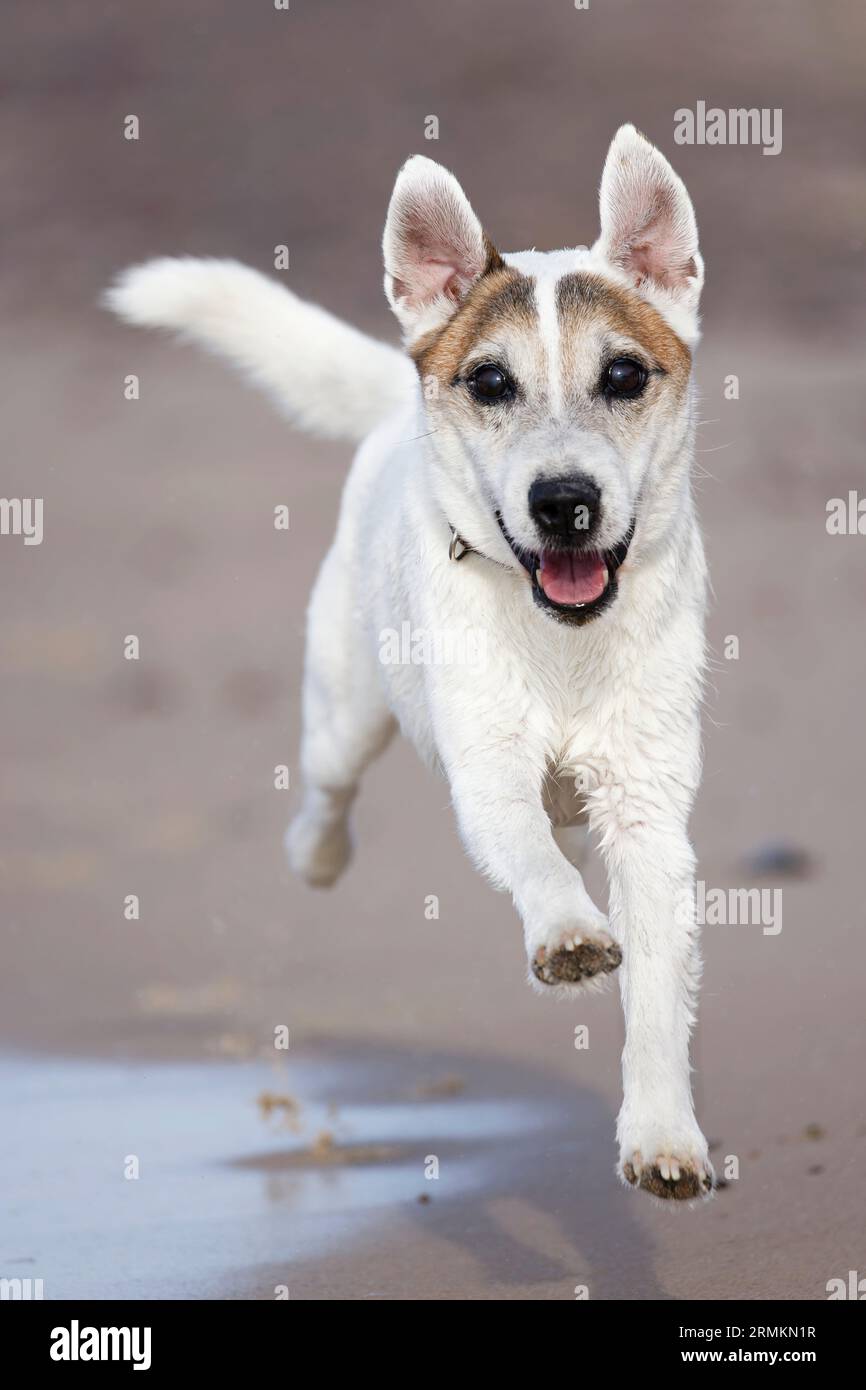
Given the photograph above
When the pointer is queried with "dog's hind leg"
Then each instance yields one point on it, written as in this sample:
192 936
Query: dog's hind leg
346 724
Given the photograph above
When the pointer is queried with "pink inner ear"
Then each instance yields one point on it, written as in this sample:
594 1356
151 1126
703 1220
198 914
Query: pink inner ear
429 279
655 260
652 236
440 249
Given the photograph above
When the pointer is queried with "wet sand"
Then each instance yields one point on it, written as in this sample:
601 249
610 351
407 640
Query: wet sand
155 1037
168 1180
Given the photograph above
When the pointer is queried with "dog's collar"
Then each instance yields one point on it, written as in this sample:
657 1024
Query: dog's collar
459 547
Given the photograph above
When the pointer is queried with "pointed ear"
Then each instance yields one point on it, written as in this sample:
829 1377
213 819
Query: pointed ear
433 245
648 227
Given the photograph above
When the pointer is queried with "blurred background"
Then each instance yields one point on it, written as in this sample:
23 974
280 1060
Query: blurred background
410 1037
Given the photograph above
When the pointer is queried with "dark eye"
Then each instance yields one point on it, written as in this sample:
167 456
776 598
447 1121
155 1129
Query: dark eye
489 383
625 377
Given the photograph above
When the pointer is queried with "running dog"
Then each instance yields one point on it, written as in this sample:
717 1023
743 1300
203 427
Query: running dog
523 472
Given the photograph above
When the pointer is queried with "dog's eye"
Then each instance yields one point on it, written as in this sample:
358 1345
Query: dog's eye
489 383
625 377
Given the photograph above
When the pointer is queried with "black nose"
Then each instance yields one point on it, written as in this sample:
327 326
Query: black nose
565 507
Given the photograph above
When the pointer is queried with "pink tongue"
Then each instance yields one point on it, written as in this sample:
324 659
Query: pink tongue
572 578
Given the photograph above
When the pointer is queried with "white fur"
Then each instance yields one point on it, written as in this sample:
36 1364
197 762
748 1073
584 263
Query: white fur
615 702
295 351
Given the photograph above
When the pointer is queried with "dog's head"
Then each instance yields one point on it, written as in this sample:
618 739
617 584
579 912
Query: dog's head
556 384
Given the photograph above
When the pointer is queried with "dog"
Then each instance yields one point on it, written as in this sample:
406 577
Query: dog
523 472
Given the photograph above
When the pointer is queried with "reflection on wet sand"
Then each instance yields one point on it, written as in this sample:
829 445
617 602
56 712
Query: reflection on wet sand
496 1188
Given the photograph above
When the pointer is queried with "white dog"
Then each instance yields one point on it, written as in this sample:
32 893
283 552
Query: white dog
524 475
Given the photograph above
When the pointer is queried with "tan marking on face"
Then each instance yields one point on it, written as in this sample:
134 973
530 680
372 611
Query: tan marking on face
500 295
582 298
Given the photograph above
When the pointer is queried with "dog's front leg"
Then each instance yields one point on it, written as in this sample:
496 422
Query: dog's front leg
496 783
651 867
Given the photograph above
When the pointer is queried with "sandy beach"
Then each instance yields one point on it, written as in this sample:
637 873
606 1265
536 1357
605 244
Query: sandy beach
410 1038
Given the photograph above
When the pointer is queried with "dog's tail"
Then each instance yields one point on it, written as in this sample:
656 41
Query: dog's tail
325 375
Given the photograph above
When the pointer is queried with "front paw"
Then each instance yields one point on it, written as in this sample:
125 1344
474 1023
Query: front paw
577 957
673 1168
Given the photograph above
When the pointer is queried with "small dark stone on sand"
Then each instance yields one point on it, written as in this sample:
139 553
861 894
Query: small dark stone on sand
778 860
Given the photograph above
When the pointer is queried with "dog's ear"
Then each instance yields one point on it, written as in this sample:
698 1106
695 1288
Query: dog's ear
648 226
434 246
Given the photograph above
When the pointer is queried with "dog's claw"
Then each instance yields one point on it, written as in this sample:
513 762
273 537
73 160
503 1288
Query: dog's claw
669 1178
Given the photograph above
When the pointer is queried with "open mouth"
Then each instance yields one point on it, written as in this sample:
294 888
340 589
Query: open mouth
573 585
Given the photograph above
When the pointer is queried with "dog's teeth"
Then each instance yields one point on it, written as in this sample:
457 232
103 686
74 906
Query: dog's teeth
538 578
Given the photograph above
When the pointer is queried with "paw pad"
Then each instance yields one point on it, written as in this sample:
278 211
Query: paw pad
568 965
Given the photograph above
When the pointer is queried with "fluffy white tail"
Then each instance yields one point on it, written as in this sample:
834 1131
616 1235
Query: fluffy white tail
325 375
